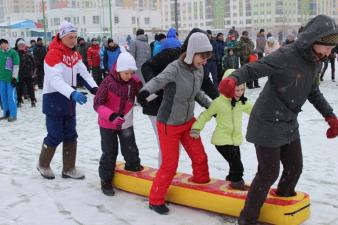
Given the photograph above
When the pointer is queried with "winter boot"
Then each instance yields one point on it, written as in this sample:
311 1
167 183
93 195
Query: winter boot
133 168
160 209
239 185
69 157
107 187
45 158
11 119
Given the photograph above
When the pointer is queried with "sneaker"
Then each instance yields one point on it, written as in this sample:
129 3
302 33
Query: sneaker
107 188
11 119
333 80
257 86
73 174
33 104
160 209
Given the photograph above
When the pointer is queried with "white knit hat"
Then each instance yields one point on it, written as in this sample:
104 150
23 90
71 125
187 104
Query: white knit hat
271 39
125 62
66 28
198 43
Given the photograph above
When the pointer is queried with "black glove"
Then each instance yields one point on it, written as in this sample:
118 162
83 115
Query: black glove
141 97
13 82
113 116
93 90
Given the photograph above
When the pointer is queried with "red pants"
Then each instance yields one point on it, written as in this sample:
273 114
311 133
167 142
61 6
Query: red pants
170 136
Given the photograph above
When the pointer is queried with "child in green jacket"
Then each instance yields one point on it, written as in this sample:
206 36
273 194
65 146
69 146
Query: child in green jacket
227 136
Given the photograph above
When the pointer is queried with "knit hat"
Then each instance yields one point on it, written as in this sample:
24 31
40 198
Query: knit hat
198 43
329 40
125 62
66 28
271 39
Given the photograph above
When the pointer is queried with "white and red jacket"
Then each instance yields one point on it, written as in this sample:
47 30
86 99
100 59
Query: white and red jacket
61 66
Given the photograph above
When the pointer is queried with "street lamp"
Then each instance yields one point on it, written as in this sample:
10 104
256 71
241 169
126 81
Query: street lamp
111 23
44 22
176 16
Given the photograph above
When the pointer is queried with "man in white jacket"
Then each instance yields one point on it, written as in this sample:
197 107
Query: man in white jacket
62 64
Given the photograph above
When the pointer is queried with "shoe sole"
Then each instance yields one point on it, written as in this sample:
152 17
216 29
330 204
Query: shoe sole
75 178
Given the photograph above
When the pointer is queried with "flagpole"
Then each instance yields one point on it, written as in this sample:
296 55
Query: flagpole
44 22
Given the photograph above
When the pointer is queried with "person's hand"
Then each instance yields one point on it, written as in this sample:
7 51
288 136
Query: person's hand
142 97
332 132
194 133
13 82
78 97
227 87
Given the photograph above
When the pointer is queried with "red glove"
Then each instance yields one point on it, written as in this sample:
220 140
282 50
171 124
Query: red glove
332 132
227 87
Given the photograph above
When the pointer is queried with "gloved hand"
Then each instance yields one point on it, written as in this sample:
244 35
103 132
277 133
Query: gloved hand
93 90
194 133
116 119
78 97
332 132
227 87
13 82
141 97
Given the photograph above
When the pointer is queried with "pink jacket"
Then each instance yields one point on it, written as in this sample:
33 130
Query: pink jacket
116 96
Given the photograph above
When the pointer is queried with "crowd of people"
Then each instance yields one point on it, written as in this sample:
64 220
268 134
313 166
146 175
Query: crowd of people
167 77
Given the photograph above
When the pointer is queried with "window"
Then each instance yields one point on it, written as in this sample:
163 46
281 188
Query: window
67 18
116 19
147 20
84 19
56 21
248 21
133 20
96 19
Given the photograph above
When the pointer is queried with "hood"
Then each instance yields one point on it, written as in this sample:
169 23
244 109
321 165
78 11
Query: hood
115 76
142 37
318 27
171 33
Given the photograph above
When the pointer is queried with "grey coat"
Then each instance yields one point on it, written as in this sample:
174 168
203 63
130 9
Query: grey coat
140 50
292 72
182 86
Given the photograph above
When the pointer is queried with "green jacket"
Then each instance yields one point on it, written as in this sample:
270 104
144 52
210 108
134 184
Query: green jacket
228 119
6 74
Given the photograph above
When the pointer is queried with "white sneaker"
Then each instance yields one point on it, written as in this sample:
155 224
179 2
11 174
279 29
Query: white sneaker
46 172
74 174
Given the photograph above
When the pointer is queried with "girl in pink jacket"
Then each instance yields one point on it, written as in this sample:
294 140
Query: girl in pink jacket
114 103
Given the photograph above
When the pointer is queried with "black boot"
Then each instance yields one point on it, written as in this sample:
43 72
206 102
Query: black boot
133 168
107 187
160 209
5 116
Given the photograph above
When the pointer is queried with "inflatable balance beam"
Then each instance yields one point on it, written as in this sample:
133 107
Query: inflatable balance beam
215 196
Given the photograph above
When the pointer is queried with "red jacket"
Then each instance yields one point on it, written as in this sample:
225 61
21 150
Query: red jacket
93 55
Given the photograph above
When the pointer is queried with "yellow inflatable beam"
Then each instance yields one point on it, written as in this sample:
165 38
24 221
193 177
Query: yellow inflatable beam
215 196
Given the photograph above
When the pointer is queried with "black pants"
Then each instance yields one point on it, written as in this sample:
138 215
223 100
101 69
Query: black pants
326 64
109 145
269 159
40 73
232 155
97 75
28 83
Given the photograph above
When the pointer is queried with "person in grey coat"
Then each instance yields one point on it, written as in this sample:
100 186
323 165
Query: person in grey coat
273 127
140 50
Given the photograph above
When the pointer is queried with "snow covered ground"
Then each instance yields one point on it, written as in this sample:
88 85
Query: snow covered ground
28 199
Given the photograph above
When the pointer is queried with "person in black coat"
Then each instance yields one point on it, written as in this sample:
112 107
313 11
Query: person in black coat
39 53
273 127
156 65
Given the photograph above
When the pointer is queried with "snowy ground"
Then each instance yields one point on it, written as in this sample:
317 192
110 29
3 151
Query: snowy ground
28 199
